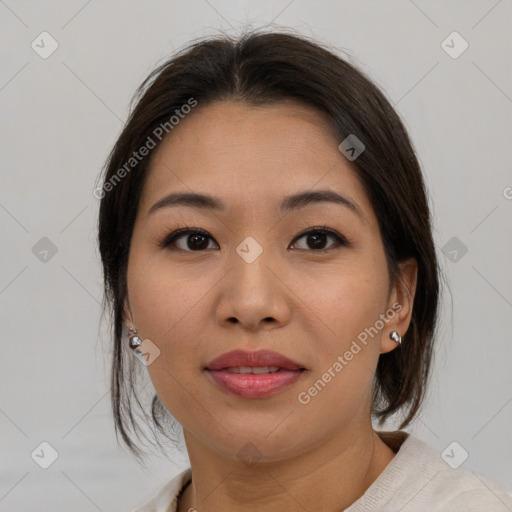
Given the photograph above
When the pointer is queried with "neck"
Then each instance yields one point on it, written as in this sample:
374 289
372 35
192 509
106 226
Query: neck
329 478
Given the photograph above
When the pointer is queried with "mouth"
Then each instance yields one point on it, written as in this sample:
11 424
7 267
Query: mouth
256 370
254 374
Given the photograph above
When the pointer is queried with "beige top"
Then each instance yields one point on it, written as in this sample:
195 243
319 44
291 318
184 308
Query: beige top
416 480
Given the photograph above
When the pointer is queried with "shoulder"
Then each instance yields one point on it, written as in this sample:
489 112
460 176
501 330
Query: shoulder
435 485
464 490
165 500
418 479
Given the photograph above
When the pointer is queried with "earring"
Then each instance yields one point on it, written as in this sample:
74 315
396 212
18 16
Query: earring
134 340
396 337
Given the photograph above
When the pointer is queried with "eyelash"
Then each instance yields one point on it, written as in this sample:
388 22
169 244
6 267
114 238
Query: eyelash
175 235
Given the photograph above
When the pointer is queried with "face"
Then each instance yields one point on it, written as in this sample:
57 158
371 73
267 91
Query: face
305 279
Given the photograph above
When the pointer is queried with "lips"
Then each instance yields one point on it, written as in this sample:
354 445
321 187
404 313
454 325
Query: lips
244 359
254 374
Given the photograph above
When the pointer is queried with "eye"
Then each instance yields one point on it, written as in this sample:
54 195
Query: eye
317 237
197 239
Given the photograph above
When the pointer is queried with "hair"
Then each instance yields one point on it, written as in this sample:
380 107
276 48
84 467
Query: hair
261 69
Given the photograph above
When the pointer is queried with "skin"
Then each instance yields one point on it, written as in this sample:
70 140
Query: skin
293 299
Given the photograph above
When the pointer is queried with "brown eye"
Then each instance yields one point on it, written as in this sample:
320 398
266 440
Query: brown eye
317 239
196 239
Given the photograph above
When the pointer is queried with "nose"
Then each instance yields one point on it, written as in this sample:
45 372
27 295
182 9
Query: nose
254 294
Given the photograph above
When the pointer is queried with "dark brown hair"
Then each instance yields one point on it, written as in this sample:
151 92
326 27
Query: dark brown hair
261 68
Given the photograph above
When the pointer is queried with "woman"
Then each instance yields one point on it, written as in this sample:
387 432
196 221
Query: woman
268 256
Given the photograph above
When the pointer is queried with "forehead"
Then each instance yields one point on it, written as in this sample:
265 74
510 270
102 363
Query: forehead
251 155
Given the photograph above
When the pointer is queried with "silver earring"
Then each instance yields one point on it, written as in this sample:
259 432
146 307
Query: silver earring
396 337
134 340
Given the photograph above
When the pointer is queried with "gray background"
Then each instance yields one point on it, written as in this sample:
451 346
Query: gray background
61 116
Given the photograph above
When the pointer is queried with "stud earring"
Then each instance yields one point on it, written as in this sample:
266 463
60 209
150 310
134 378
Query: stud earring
134 340
396 337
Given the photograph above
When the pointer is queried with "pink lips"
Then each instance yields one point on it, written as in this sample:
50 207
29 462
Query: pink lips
254 385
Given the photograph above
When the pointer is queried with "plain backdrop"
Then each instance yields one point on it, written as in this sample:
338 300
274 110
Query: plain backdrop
62 114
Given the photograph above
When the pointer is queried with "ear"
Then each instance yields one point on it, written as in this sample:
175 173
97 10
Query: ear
400 305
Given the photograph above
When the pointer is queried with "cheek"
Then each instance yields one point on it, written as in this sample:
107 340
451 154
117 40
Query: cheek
347 355
166 306
351 302
167 311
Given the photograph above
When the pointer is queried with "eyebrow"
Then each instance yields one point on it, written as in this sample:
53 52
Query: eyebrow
289 203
